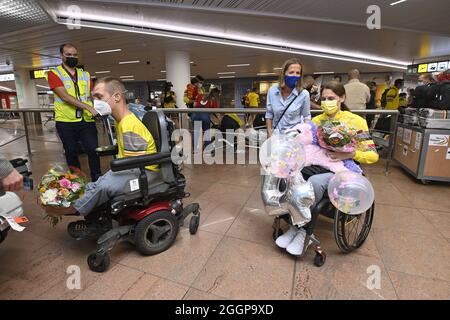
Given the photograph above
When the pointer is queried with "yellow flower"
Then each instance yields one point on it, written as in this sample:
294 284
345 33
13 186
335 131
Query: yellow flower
42 190
64 192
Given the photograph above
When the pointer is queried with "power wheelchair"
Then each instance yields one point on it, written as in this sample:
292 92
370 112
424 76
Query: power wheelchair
149 217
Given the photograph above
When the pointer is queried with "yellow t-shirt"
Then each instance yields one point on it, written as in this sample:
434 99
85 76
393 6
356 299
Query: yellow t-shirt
367 153
392 98
134 139
253 99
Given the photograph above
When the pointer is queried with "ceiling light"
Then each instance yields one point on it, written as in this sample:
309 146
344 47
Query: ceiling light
128 79
122 77
266 74
126 62
106 71
324 72
277 68
238 65
227 77
6 89
163 71
192 62
108 51
230 72
7 77
186 33
397 2
160 79
45 87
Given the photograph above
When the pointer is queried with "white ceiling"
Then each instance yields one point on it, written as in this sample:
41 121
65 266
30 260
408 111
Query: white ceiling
34 45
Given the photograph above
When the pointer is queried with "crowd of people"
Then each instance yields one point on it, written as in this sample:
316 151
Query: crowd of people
287 104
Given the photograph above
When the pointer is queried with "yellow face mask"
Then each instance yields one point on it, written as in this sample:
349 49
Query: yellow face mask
329 106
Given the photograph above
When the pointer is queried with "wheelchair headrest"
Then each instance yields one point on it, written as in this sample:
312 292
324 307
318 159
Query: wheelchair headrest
155 122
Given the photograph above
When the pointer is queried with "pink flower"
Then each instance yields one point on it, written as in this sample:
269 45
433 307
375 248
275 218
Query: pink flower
75 186
65 183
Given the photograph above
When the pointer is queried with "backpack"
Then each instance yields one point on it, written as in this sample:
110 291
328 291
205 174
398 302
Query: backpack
383 98
440 96
423 96
189 94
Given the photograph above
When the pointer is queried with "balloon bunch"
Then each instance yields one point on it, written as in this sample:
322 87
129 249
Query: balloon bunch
283 190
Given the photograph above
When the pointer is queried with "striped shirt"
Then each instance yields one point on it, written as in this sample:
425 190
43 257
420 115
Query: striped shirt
134 139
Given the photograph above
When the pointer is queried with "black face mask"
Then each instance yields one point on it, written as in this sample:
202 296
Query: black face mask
72 62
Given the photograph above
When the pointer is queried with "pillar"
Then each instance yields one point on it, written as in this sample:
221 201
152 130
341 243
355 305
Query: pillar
27 95
178 71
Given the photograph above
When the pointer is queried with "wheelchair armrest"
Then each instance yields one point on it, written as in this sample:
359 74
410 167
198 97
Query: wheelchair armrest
107 150
140 161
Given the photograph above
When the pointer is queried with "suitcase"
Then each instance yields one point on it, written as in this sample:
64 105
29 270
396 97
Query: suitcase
430 123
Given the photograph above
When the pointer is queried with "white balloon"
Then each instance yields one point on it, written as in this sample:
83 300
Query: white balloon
351 192
282 156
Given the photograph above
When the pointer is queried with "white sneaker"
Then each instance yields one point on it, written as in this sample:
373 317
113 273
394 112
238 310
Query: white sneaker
296 246
286 238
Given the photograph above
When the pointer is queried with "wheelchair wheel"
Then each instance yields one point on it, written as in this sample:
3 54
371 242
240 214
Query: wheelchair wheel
156 232
98 262
350 231
194 223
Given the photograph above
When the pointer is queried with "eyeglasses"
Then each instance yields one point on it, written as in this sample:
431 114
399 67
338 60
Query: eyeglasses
328 98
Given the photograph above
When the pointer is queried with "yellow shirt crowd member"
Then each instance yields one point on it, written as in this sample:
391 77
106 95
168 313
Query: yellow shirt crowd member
392 98
253 99
236 118
366 152
170 95
134 139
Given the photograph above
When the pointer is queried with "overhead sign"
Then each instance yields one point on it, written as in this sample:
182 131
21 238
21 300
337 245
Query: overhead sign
428 67
7 77
422 68
38 74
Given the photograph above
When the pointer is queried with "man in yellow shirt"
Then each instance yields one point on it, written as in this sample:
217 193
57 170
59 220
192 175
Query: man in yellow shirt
253 102
393 95
133 139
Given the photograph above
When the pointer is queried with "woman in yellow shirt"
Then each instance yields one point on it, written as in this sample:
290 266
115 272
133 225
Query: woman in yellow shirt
332 104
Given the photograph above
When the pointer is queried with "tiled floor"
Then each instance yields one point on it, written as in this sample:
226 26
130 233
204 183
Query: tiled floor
233 255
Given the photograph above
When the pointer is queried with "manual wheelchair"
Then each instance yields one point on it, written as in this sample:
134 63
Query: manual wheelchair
350 231
149 217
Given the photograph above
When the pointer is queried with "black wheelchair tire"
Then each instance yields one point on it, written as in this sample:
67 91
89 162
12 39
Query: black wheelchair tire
98 262
143 244
194 223
340 232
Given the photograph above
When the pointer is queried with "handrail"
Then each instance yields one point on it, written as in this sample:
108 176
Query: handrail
392 134
211 110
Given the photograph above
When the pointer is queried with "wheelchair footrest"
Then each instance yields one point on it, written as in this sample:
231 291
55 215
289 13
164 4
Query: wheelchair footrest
107 241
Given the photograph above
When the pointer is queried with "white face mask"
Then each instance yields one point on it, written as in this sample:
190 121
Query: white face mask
102 107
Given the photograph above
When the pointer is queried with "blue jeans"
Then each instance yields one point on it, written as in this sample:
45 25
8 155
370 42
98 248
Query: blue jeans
70 134
205 120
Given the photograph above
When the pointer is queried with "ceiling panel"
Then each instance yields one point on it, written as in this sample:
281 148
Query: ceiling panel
20 14
39 48
418 15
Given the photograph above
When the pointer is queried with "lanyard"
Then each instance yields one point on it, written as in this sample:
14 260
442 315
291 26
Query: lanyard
74 81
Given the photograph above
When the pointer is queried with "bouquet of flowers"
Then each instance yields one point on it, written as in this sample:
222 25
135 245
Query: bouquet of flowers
336 136
60 188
